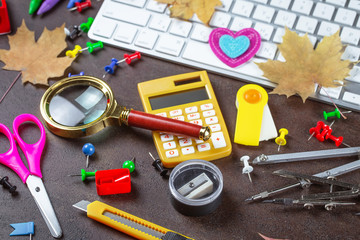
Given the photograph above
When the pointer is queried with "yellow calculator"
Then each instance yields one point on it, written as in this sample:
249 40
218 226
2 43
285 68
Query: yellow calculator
187 97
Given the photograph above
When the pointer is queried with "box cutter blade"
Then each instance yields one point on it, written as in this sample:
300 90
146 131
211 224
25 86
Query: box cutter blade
127 223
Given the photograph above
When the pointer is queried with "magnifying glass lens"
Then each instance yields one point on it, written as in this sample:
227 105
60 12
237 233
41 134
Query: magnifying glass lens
77 105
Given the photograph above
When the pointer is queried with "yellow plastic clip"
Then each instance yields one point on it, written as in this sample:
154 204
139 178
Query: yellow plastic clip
73 53
281 141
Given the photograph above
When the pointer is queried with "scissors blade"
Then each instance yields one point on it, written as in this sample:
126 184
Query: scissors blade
38 191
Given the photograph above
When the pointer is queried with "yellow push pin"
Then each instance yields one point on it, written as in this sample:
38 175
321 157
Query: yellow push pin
73 53
281 139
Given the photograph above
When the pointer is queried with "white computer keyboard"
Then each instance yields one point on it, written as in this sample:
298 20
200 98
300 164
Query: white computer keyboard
145 26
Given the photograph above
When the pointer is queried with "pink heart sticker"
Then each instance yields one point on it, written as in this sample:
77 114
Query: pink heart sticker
252 34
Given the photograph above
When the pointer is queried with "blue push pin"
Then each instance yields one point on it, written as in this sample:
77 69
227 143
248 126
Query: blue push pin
74 75
71 3
88 149
23 229
110 68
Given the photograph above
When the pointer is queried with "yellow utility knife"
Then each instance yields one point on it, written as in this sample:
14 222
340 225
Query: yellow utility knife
127 223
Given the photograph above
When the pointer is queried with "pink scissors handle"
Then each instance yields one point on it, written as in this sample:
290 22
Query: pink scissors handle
32 152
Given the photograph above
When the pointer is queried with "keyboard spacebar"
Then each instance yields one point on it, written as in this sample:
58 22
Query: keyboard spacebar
202 53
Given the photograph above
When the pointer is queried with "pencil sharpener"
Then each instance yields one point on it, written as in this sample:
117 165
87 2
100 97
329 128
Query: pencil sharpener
4 18
196 187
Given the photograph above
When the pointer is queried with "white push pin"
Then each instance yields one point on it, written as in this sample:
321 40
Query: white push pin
247 168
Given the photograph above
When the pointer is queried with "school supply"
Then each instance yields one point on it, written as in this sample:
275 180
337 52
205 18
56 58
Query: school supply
21 229
4 17
47 5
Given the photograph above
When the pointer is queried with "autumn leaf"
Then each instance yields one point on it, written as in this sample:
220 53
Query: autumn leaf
185 9
304 67
38 61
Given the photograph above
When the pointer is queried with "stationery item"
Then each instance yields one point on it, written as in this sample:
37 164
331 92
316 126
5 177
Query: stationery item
188 97
281 141
11 85
88 149
247 169
21 229
6 184
113 181
127 223
34 6
46 6
4 18
114 62
129 164
32 176
158 166
80 6
71 3
83 105
254 122
84 175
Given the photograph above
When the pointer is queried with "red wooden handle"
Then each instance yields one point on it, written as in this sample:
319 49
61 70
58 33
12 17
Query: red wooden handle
163 124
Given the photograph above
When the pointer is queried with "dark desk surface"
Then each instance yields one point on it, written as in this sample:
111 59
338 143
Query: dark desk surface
150 197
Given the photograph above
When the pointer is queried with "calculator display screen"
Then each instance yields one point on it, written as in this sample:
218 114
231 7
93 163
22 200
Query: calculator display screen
178 98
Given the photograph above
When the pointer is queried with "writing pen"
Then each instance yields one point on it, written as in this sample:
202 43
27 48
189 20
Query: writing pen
34 5
46 6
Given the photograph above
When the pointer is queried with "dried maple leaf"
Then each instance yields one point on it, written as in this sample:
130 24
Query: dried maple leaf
37 61
305 67
185 9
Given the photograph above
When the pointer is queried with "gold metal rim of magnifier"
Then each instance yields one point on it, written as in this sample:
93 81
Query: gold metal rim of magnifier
77 131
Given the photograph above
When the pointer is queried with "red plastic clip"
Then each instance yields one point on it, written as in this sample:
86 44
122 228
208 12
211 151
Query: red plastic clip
4 19
113 181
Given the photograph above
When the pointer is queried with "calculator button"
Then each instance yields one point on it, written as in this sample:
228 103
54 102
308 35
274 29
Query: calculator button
176 112
191 109
198 122
206 106
188 150
218 140
166 137
215 127
193 116
211 120
172 153
169 145
185 142
163 114
199 141
209 113
203 147
181 118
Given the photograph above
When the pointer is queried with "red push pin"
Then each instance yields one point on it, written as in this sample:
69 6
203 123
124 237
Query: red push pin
79 6
114 62
316 130
128 58
338 140
326 130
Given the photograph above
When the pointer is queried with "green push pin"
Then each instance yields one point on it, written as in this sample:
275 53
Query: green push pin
129 164
85 27
91 46
84 175
335 113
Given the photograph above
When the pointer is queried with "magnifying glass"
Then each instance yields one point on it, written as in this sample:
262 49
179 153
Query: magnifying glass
83 105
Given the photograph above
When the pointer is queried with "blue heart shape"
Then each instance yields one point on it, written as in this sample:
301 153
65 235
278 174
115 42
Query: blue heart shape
234 47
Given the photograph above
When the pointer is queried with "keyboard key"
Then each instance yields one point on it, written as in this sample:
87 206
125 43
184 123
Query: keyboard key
284 18
146 39
239 23
104 28
185 142
201 33
261 1
328 29
302 6
264 13
203 147
331 92
166 137
206 106
220 20
354 4
358 23
169 145
191 109
180 28
337 2
215 128
156 6
172 153
267 50
265 30
351 53
125 33
218 140
211 120
306 24
193 116
324 11
243 8
345 16
188 150
351 97
354 74
135 3
280 3
170 45
160 22
280 32
225 5
126 13
350 35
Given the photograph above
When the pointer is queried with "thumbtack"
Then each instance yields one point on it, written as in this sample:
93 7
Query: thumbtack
129 164
335 113
79 6
5 182
84 175
85 27
73 33
326 130
338 140
88 149
114 62
72 3
316 130
247 168
281 139
73 53
21 229
158 166
91 46
74 75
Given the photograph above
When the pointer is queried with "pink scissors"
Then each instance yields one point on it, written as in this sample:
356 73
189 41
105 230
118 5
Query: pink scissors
32 176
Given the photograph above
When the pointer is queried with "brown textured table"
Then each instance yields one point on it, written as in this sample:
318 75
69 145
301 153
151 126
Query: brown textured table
150 197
